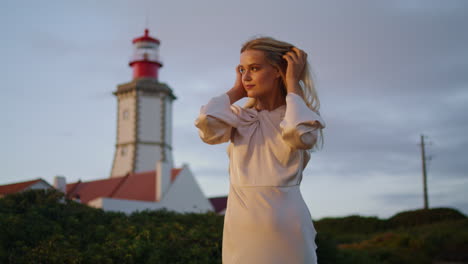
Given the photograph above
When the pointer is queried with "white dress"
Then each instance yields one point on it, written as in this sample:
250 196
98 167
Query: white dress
266 220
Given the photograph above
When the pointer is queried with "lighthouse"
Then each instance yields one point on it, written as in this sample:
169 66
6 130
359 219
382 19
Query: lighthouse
143 176
144 114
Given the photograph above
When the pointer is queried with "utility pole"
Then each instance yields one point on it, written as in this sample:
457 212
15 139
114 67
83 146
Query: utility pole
423 157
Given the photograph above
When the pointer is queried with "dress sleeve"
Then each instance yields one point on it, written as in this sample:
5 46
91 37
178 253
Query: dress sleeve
216 120
300 124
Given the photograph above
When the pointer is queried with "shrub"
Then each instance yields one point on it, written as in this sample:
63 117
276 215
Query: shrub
424 216
43 227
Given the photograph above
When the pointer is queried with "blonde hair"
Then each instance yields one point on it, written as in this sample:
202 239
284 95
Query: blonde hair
274 51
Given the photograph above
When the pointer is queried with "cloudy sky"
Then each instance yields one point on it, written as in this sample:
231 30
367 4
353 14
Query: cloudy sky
386 72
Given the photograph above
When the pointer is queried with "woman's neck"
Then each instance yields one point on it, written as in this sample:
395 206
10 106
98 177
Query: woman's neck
270 102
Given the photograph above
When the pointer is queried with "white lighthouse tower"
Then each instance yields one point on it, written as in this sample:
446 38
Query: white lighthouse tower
144 114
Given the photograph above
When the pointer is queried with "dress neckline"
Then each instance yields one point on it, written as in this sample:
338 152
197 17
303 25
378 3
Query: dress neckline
269 111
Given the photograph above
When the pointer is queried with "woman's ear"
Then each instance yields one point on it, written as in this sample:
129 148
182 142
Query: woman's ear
279 74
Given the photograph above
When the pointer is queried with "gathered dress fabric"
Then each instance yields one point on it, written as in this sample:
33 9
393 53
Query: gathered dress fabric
266 219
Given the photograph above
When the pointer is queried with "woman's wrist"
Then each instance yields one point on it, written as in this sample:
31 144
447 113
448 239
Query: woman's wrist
294 87
235 95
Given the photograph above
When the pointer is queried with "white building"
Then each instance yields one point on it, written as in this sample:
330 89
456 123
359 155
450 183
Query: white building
141 191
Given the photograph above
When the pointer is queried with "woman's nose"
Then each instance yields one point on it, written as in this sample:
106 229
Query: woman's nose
246 76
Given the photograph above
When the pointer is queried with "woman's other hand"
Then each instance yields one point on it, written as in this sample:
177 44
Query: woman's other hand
297 60
237 92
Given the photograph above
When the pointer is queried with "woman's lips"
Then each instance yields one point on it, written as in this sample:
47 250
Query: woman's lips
249 86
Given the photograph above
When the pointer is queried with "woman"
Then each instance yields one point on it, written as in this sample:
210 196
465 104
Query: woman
267 220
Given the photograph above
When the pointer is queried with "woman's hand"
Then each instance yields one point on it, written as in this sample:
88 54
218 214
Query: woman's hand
237 92
297 60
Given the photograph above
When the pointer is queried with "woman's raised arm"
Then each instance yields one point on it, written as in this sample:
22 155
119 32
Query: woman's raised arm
300 125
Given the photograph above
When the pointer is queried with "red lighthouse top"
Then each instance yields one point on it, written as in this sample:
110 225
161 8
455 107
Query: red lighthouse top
145 59
146 37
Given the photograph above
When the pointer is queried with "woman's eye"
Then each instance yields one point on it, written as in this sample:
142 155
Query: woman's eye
254 69
241 70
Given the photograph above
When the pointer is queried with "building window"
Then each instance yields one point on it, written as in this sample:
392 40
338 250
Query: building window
123 151
125 114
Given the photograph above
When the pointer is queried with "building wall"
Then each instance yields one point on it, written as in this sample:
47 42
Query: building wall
126 122
150 118
153 134
184 195
125 206
125 148
123 159
39 185
168 133
147 157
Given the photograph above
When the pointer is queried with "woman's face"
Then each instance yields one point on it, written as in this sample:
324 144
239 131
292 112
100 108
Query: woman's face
260 79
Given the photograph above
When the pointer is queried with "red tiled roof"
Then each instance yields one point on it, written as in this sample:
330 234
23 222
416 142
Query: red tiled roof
174 174
219 203
17 187
93 189
139 186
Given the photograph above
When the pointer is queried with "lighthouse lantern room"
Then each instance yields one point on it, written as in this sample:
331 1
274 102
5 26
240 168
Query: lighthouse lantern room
144 113
145 59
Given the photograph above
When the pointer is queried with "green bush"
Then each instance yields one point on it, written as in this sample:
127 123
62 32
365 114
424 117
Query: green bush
350 228
43 227
424 216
